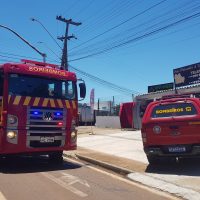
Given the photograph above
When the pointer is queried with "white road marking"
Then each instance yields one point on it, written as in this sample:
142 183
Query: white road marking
67 181
73 179
2 197
152 190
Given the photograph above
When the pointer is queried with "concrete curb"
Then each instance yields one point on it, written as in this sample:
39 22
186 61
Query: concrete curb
165 186
105 165
114 168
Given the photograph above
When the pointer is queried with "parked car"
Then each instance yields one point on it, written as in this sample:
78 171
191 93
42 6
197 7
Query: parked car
171 129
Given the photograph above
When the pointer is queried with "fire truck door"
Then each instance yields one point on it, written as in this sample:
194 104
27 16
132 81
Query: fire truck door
1 106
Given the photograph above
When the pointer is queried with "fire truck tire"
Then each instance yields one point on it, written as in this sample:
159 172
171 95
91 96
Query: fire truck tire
56 157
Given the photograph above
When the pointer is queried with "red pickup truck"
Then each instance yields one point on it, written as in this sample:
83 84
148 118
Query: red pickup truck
171 129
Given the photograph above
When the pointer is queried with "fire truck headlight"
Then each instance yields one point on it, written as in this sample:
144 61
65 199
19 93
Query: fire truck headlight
11 134
12 119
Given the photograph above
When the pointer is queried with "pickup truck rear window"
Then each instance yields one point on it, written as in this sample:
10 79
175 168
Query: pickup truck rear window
175 109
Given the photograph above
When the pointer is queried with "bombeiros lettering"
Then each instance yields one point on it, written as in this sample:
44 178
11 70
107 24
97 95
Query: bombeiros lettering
188 109
46 70
174 110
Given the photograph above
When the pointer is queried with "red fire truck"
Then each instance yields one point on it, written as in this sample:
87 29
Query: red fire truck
38 109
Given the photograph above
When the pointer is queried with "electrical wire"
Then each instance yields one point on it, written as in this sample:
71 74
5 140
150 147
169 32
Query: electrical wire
110 15
148 34
116 39
17 55
100 81
105 83
122 23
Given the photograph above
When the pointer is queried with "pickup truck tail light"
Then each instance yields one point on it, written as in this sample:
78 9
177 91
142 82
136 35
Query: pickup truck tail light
157 129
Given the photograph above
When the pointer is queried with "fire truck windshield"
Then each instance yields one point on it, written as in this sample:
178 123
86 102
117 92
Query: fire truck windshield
24 85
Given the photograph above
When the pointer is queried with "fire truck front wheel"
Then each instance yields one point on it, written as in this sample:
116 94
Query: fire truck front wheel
56 157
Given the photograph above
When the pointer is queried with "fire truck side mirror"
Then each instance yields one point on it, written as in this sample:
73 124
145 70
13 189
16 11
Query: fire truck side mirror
82 90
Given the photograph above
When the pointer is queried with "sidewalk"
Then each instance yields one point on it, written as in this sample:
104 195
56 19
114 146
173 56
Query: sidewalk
122 152
113 145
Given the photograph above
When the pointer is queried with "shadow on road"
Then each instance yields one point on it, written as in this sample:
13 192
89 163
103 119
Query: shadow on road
186 166
33 164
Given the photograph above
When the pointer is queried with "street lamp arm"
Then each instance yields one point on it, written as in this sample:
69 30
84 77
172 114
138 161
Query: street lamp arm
36 20
42 54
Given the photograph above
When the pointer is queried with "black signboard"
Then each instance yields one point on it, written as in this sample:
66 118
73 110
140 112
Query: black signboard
187 75
160 87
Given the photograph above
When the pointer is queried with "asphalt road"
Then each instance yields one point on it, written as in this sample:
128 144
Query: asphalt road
36 178
125 149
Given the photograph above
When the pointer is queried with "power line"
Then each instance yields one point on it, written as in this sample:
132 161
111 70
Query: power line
36 20
85 7
105 83
110 14
110 85
17 55
74 3
8 60
53 52
25 41
131 35
97 14
148 34
120 24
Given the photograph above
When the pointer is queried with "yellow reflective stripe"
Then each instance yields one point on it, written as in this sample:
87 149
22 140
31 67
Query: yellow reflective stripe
17 99
194 122
26 101
60 103
45 102
52 103
67 104
36 101
73 104
9 98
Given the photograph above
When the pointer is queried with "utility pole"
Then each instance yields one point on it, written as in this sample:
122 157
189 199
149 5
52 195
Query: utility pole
64 61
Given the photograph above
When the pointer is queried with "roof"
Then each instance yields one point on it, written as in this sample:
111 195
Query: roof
39 69
188 89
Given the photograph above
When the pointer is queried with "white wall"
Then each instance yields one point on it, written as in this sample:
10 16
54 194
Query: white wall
108 122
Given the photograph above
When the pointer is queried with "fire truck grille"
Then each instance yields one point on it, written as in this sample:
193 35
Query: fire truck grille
46 127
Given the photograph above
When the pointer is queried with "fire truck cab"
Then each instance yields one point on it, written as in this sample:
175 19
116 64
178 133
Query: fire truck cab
170 128
38 109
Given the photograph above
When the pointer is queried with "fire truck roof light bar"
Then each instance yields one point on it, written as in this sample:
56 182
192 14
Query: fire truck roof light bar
39 63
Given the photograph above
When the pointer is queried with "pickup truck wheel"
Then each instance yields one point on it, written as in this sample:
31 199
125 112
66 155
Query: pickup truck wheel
56 157
1 158
169 159
153 159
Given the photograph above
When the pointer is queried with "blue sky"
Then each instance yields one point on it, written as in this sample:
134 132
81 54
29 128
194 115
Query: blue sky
142 62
